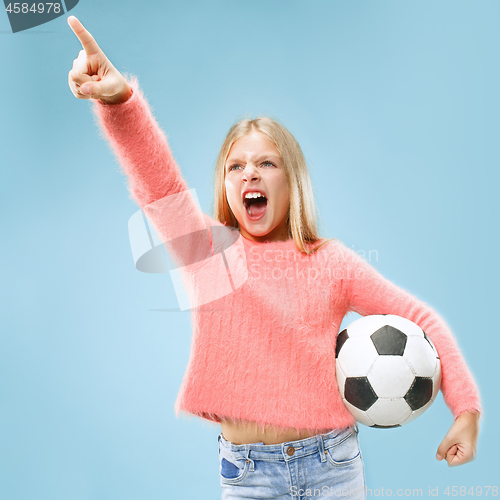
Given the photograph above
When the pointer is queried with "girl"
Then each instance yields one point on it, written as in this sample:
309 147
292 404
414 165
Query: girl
267 306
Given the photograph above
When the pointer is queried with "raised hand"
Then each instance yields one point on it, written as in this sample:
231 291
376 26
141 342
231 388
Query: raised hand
93 75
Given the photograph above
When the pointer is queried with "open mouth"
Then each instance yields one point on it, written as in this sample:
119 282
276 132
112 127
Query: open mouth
255 207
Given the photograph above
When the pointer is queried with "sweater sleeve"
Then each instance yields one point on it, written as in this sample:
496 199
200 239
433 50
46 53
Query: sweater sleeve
154 178
368 292
140 146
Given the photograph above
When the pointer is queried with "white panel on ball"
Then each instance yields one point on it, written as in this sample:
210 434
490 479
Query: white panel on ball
432 345
437 381
362 325
340 378
390 377
421 359
357 356
389 411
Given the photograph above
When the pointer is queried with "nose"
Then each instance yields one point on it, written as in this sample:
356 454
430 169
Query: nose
250 172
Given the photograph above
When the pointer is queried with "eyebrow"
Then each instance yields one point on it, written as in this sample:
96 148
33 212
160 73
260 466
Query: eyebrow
231 160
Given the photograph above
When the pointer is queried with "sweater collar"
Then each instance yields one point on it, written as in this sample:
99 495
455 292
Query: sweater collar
268 243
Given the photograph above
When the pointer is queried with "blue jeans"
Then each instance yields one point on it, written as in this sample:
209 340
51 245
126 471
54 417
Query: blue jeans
322 466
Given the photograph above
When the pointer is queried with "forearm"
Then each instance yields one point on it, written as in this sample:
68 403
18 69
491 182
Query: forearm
155 180
140 146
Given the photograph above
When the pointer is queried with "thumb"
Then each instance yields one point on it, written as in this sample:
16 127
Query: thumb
452 456
444 447
110 85
86 87
91 88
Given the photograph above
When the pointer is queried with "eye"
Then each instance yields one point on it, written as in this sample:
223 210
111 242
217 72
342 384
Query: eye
234 166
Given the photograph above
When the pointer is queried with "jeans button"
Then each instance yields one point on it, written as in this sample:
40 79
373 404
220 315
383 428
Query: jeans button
290 450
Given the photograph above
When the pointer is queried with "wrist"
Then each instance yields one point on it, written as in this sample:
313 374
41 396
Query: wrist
469 415
119 98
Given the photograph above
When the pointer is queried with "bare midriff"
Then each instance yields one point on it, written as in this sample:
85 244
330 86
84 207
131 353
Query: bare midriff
249 432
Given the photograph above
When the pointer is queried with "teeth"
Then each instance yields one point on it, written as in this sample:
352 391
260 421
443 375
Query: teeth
254 195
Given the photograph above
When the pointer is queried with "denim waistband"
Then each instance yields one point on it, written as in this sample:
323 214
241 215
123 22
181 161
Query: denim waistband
291 450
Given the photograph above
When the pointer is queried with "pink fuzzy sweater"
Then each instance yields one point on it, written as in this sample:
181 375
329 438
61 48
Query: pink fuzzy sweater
265 317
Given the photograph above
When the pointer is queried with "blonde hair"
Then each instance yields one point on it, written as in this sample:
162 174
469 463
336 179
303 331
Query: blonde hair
301 219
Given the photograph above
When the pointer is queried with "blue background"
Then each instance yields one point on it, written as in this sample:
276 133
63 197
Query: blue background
396 107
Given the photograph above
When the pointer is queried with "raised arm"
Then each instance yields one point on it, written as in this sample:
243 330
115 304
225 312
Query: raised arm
155 180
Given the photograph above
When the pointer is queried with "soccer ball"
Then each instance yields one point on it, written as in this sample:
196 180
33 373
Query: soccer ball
388 370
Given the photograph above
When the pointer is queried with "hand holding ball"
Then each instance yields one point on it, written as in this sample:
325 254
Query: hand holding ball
388 370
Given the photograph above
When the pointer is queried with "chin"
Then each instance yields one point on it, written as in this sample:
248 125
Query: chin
257 235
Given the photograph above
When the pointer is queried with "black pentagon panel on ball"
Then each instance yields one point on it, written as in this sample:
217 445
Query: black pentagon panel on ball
376 426
389 341
359 392
341 338
420 393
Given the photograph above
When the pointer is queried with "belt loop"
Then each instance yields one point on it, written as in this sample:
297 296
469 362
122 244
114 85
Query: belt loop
248 459
322 450
356 430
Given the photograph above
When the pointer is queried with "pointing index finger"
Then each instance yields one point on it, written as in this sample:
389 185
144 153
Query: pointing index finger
86 39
